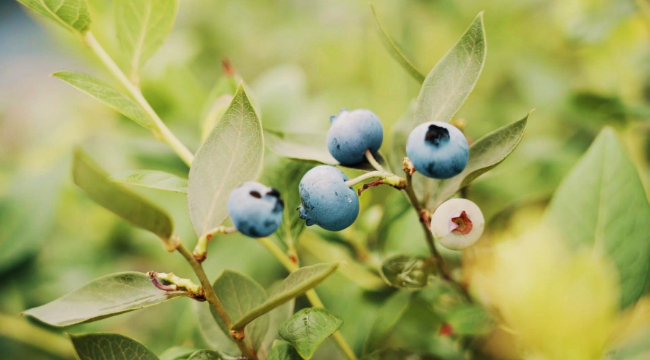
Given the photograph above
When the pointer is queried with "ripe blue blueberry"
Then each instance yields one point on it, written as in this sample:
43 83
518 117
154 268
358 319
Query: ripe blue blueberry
326 200
255 210
437 150
352 133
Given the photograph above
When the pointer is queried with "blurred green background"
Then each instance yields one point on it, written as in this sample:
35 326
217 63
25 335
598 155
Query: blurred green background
582 64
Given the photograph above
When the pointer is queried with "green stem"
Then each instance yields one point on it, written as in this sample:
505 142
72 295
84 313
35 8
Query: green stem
311 295
20 330
373 162
161 129
201 248
214 301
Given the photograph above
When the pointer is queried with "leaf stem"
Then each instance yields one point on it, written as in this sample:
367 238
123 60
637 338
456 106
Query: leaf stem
373 162
162 131
311 295
214 301
201 248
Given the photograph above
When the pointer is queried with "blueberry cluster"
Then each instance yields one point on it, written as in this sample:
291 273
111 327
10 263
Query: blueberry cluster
435 149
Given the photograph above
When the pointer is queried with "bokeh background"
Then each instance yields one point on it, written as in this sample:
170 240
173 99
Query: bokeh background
582 64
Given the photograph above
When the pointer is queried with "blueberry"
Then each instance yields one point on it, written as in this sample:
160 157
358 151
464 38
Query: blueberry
457 224
326 201
255 210
437 150
352 133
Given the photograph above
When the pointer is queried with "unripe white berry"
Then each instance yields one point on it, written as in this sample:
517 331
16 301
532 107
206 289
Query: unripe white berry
457 224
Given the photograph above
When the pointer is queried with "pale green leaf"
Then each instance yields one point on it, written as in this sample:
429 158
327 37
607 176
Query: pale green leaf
469 319
484 154
218 108
353 271
285 175
153 179
309 147
450 82
107 95
211 331
296 284
177 353
71 14
239 295
394 50
276 317
205 355
103 297
408 272
387 317
109 347
118 199
230 156
142 27
30 199
283 351
308 328
602 204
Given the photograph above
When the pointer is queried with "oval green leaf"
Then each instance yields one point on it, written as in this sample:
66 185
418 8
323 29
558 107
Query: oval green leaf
394 50
239 295
210 330
602 204
408 272
177 353
153 179
118 347
387 317
142 27
453 78
230 156
118 199
296 284
282 350
71 14
104 297
307 329
107 95
205 355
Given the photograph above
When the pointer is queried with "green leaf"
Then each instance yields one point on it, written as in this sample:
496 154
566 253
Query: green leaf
308 328
394 50
205 355
153 179
71 14
239 295
453 78
211 331
285 175
408 272
101 298
310 147
387 317
283 351
118 199
218 108
109 347
469 319
353 271
398 354
276 317
486 153
31 199
177 353
142 27
296 284
107 95
231 155
602 204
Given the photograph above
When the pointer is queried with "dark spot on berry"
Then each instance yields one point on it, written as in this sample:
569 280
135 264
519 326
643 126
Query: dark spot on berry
436 135
269 223
274 192
255 194
279 206
338 146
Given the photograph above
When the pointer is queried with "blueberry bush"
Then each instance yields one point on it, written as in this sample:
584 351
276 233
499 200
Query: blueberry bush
570 284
